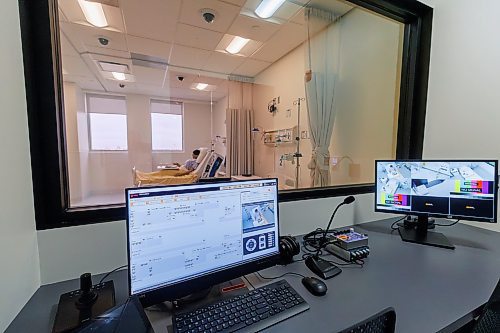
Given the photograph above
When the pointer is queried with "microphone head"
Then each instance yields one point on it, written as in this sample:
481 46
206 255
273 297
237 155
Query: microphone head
350 199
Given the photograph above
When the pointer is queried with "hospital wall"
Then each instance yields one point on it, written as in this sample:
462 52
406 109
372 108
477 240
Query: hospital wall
366 100
103 172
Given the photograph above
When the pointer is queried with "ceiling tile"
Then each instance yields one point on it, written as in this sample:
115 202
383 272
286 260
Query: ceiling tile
197 37
83 36
149 47
252 28
66 48
223 63
74 65
153 19
235 2
149 76
73 13
251 67
288 38
225 14
190 57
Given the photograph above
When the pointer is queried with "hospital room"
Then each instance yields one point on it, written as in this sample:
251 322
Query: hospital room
308 94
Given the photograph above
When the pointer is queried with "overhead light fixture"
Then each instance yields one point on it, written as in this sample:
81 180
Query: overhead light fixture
201 86
119 76
267 8
237 44
94 13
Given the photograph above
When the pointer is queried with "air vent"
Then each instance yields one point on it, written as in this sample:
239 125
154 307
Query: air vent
113 67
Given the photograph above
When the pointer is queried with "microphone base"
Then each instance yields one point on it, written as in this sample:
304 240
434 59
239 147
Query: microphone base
322 268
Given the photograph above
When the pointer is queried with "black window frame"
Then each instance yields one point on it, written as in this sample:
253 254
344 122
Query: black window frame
43 80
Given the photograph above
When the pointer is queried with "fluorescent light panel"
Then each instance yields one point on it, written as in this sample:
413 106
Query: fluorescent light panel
94 13
237 44
267 8
201 86
119 76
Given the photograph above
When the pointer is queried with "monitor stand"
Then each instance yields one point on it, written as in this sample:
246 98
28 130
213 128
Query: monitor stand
420 235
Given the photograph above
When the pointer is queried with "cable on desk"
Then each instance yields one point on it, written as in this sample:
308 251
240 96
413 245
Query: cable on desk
280 276
114 270
446 225
398 220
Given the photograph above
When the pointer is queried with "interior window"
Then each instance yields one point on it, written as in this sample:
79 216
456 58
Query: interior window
308 94
166 125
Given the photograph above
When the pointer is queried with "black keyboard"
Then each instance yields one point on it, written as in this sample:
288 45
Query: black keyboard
253 311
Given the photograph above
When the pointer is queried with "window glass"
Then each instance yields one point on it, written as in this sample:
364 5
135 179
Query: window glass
166 126
108 131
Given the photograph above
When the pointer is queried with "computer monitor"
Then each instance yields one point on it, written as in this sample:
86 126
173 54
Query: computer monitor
186 238
458 189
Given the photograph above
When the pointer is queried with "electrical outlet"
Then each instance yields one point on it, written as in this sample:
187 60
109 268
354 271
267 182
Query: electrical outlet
304 134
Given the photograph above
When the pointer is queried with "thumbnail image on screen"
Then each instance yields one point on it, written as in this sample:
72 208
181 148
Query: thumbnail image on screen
449 188
258 216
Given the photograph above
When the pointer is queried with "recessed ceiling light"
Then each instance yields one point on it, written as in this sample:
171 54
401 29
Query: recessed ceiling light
94 13
237 44
267 8
201 86
119 76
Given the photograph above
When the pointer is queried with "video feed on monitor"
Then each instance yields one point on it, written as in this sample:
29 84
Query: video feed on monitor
258 216
450 188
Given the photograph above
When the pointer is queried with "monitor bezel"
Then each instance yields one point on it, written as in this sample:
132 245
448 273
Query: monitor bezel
186 287
459 217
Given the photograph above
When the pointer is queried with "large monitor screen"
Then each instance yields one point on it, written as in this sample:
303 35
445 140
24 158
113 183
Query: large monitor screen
184 233
452 189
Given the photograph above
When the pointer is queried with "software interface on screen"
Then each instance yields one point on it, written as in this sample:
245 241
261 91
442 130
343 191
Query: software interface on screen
183 232
443 188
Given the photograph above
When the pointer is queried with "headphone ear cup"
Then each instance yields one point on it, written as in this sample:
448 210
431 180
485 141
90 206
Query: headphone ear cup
288 248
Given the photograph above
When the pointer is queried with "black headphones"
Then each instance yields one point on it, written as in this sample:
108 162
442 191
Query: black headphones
288 248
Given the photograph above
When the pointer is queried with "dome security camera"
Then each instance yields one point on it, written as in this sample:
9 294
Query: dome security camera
180 78
208 15
103 41
121 85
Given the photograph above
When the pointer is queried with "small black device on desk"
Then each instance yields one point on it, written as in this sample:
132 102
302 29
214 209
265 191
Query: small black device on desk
184 239
77 308
315 286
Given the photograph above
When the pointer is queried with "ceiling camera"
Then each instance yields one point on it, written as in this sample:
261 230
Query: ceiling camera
103 41
208 15
121 85
180 78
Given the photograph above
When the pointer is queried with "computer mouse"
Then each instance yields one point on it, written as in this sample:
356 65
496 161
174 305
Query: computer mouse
315 286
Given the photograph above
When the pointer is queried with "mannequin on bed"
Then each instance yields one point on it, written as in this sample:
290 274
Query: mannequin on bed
191 164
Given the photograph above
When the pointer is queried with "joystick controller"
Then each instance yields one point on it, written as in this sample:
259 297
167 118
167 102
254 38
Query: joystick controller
88 296
79 307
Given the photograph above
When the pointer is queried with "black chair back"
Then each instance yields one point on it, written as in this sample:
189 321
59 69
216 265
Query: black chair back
382 322
489 320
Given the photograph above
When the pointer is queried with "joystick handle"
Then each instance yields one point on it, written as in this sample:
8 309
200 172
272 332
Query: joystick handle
88 296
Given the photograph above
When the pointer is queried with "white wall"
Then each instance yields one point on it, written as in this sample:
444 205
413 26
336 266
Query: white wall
366 102
463 107
19 260
105 172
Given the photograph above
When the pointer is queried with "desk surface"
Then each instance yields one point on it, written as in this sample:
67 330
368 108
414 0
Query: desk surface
431 289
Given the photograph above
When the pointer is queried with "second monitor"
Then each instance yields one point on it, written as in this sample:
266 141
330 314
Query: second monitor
461 189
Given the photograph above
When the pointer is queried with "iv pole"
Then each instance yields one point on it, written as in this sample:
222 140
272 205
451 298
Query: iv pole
297 153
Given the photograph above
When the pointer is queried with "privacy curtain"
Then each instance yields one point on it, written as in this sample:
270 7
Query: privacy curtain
239 124
322 62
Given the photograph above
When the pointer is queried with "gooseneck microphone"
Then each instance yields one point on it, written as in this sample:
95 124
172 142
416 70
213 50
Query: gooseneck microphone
349 200
321 267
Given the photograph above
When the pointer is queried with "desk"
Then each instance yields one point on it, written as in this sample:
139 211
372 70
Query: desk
431 289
